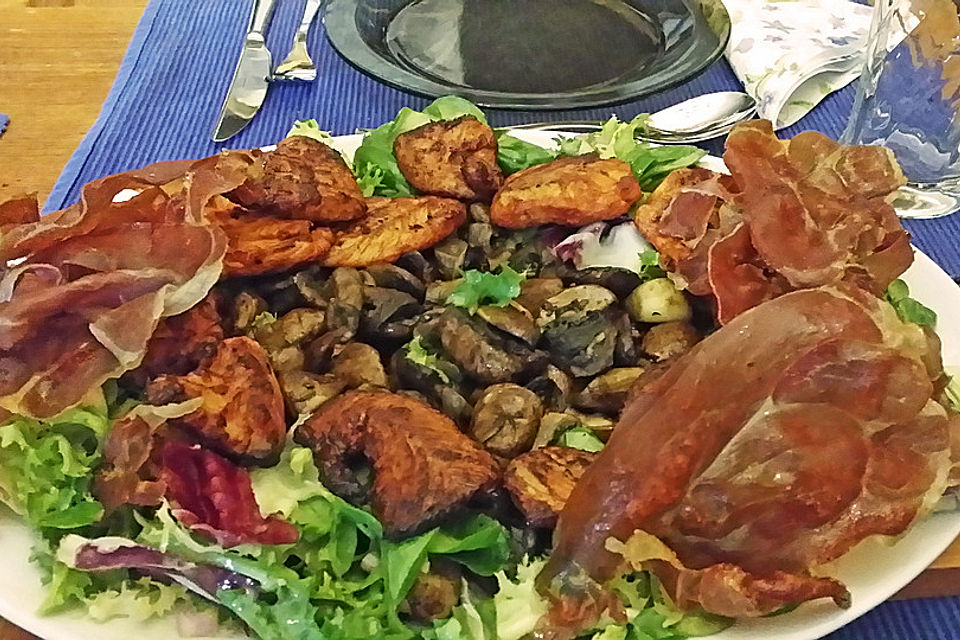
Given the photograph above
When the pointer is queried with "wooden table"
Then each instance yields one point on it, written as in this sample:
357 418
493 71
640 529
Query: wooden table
57 62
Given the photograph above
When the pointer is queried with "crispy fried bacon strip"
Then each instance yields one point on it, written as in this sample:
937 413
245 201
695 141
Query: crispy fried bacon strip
801 427
797 213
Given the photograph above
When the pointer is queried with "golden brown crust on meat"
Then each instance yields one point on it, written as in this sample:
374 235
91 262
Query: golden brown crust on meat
181 343
423 466
572 191
393 227
452 158
302 179
258 245
539 482
649 214
242 413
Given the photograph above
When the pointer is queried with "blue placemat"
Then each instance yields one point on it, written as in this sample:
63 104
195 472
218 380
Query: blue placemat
168 91
167 94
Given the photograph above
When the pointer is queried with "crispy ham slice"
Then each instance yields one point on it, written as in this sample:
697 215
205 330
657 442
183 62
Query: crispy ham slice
801 427
91 282
214 497
793 214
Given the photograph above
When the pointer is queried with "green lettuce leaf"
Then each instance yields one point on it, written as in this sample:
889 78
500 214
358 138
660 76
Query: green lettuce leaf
518 604
650 163
418 354
479 543
288 615
46 467
137 599
357 578
475 618
650 268
909 310
309 129
514 154
453 107
580 438
951 392
483 288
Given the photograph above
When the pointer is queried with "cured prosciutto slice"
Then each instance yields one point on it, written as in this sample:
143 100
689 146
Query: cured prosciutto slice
84 288
801 427
214 497
792 214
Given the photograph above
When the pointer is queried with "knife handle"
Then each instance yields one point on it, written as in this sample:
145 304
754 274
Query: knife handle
262 12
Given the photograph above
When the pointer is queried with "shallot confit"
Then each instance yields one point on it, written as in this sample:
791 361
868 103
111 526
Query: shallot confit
805 424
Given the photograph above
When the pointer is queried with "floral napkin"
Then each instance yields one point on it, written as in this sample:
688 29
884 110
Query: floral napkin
791 54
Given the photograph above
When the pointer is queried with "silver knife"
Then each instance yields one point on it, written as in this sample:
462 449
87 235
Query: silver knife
248 89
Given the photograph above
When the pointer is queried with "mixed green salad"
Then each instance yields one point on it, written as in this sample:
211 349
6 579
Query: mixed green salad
343 578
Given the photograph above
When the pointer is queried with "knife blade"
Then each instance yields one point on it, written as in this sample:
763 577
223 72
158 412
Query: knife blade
251 78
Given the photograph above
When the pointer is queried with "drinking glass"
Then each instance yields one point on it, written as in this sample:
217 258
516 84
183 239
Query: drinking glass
908 100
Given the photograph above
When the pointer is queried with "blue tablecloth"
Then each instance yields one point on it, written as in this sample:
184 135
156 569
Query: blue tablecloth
167 94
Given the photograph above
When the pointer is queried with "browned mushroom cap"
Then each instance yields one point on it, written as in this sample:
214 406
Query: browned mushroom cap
452 158
434 594
506 419
607 393
423 466
480 353
539 482
359 364
669 340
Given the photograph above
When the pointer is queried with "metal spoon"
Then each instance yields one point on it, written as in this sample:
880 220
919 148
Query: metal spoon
699 118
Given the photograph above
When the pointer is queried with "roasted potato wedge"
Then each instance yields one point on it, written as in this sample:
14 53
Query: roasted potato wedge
572 191
393 227
423 466
539 482
451 158
302 179
242 413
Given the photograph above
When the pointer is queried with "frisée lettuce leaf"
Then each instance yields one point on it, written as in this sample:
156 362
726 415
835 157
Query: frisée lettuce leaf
482 288
650 163
46 467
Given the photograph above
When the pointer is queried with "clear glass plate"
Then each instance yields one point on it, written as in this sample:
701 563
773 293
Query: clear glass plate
530 54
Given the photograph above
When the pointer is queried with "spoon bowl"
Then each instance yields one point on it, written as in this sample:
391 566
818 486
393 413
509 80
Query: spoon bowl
699 118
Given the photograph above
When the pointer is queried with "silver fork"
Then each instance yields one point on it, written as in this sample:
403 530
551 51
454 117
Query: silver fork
298 65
